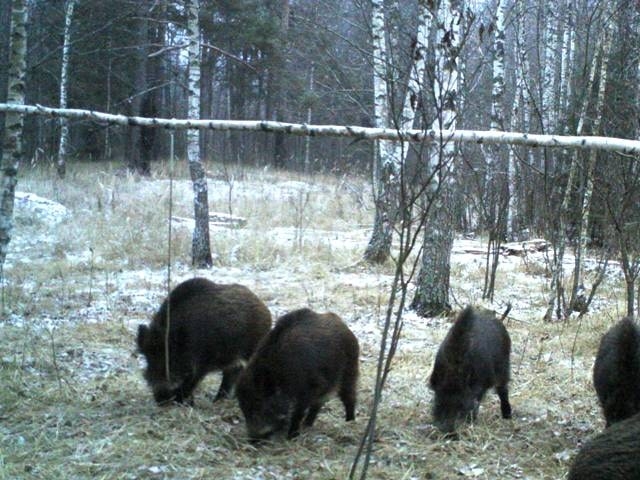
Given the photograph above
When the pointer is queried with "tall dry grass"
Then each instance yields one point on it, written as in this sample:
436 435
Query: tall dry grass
73 403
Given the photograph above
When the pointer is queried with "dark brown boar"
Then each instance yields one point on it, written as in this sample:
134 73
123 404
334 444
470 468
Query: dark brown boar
211 327
306 357
616 372
612 455
473 357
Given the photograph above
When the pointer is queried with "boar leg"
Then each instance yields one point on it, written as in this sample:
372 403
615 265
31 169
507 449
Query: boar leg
475 410
184 393
348 398
505 407
182 397
229 376
312 414
296 418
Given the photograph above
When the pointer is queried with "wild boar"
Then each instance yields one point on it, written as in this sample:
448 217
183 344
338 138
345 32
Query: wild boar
305 358
611 455
616 372
473 357
211 327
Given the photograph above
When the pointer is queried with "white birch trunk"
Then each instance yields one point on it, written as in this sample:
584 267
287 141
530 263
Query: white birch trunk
391 154
193 110
434 136
385 171
497 93
512 177
517 116
201 248
568 54
14 121
432 285
307 141
64 81
495 181
380 81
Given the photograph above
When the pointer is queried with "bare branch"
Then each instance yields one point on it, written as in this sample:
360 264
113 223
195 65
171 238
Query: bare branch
230 55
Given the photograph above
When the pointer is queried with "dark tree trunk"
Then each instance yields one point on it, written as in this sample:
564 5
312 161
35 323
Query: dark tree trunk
277 83
148 136
379 247
630 297
138 140
153 102
432 286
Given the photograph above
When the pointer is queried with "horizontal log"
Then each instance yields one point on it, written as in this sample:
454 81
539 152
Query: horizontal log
622 145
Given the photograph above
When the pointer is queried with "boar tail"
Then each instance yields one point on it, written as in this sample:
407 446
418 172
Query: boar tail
506 312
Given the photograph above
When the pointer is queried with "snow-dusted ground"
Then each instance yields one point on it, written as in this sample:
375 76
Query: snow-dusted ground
358 294
82 288
519 282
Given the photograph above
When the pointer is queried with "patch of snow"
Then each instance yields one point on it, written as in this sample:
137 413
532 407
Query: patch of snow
29 207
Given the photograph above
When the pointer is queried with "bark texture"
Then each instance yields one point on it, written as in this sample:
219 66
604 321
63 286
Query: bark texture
432 286
64 81
12 146
201 246
385 172
432 136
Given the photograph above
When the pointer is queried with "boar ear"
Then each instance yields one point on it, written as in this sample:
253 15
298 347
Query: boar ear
142 331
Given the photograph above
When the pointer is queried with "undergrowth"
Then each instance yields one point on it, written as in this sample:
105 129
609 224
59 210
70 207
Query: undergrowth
74 404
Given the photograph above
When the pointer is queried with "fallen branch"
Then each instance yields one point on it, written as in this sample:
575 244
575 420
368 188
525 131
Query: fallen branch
621 145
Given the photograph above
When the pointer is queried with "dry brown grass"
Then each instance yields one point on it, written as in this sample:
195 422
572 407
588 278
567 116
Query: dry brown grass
73 403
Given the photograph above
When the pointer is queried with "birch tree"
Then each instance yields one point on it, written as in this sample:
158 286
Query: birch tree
385 167
389 157
306 167
584 220
432 285
201 247
567 61
434 136
520 115
12 142
64 81
495 204
557 301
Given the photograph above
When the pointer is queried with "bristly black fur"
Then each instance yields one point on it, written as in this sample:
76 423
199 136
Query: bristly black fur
611 455
616 372
304 358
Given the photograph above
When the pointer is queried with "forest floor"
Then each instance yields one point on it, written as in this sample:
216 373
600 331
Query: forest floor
89 263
